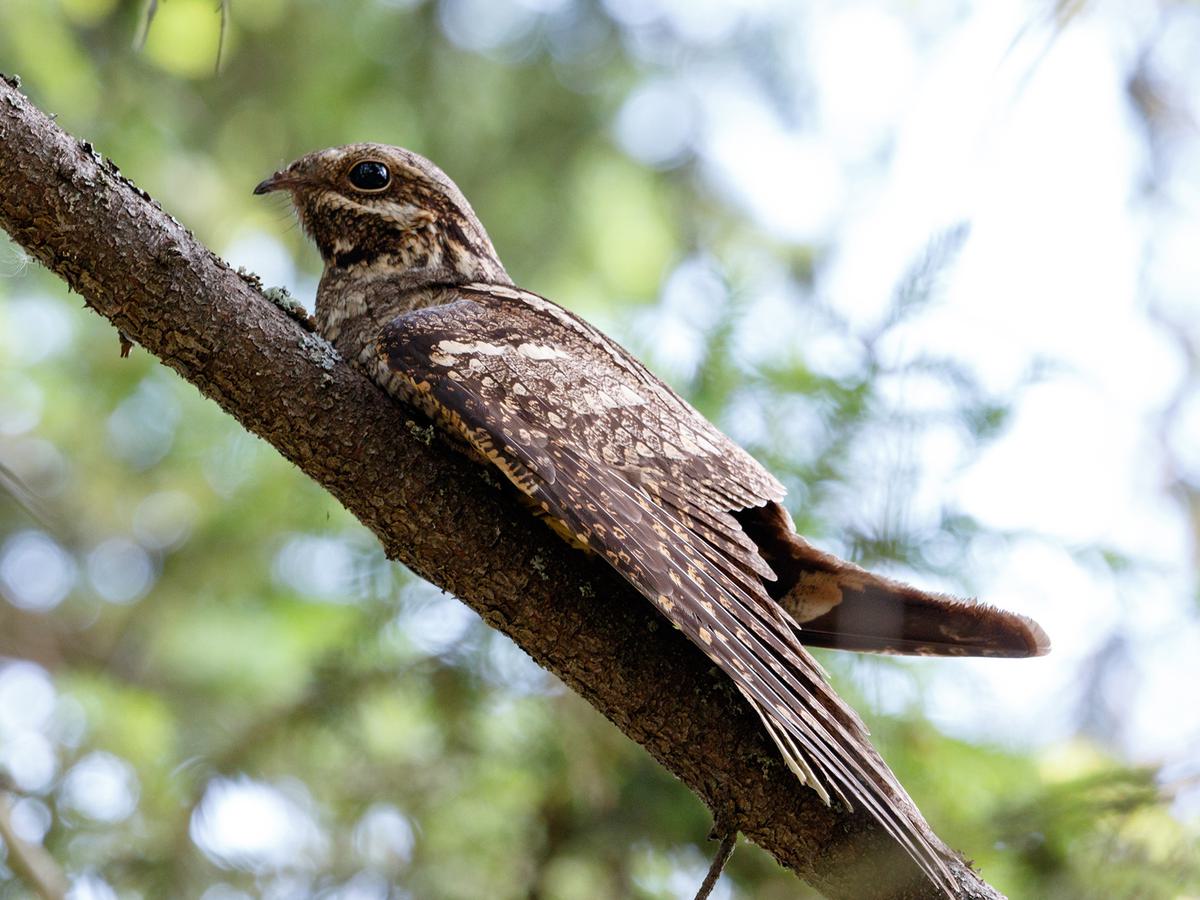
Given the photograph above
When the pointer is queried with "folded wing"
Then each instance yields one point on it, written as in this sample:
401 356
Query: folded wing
635 474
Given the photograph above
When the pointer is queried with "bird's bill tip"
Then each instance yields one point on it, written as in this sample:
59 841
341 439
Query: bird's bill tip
278 182
268 184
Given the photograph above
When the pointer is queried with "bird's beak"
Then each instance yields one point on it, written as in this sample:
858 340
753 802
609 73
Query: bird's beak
280 181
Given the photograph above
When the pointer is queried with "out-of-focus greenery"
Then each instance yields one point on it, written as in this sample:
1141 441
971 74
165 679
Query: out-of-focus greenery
215 683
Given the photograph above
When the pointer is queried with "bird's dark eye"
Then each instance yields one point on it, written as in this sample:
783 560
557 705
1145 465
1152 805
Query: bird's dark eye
370 176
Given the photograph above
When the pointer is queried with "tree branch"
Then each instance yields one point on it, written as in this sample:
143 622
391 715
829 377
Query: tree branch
431 509
30 862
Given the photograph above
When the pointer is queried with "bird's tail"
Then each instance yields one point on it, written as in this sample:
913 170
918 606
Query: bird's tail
839 605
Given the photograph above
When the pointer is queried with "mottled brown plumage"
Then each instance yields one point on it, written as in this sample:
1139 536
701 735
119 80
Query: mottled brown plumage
618 463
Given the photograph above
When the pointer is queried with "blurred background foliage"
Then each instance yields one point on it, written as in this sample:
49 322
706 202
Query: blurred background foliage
212 684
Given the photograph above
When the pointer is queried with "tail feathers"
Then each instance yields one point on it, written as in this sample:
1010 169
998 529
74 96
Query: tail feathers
840 605
884 616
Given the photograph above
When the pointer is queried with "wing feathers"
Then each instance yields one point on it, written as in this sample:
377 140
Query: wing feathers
716 526
675 542
808 722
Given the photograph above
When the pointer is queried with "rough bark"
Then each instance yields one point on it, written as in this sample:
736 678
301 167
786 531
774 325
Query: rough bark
141 269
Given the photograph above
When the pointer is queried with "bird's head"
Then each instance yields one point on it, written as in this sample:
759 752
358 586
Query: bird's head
381 208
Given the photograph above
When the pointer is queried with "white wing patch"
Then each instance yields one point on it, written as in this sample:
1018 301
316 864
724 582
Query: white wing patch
541 351
448 351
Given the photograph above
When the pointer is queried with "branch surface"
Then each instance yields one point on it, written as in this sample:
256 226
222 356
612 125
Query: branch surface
433 510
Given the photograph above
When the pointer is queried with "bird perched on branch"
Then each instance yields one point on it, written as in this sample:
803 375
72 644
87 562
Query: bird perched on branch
617 463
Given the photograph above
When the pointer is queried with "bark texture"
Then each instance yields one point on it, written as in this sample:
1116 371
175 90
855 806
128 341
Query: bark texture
432 510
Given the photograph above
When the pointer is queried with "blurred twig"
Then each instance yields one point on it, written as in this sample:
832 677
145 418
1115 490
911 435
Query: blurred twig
919 285
30 862
152 10
11 484
223 7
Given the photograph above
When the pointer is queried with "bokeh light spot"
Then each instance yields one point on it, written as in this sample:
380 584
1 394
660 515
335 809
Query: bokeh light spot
35 572
102 787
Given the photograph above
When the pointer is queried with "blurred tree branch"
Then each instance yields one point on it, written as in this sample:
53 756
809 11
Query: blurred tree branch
31 863
431 509
152 10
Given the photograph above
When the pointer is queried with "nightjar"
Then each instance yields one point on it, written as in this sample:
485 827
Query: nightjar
614 460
